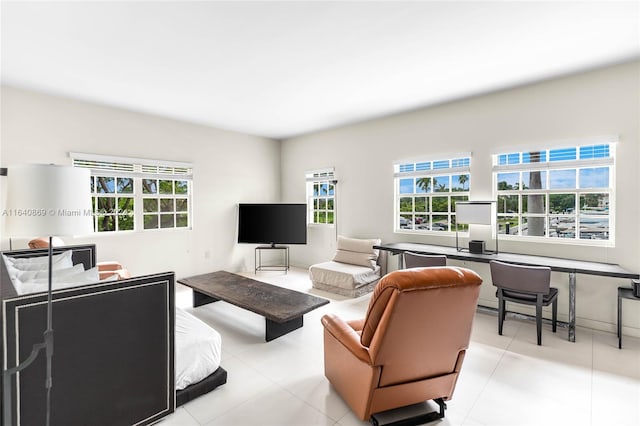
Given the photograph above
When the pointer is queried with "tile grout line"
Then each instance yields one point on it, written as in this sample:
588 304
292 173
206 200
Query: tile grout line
504 351
241 403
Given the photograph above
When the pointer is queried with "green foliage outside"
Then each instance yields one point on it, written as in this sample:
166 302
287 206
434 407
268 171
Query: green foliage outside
115 213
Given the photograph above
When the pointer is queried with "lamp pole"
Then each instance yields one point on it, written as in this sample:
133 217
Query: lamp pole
47 189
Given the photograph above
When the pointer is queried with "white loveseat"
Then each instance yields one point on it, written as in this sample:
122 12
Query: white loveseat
355 269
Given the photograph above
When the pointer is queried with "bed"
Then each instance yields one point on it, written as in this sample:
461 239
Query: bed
127 350
198 353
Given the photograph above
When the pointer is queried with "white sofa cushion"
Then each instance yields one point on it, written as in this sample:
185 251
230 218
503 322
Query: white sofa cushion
77 276
343 275
357 251
59 261
358 244
43 274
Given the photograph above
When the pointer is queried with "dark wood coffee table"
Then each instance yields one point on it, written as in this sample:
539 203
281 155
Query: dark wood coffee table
282 308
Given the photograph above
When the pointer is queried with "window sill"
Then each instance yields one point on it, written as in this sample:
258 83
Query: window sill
132 232
561 241
321 225
431 233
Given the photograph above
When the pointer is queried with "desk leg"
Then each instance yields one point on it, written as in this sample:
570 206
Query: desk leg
400 262
572 306
619 320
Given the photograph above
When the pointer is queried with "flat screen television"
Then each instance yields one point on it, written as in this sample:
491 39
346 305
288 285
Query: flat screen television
272 224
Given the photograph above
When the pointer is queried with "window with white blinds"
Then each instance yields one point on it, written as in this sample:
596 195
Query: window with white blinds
131 194
564 193
321 192
426 192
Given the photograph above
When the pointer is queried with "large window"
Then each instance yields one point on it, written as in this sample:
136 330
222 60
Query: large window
426 193
321 193
136 194
557 194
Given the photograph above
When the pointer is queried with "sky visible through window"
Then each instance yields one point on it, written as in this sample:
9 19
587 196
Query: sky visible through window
586 152
593 177
437 184
559 179
428 191
557 193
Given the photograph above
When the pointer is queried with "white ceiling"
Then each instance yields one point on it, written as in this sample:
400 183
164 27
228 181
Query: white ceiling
280 69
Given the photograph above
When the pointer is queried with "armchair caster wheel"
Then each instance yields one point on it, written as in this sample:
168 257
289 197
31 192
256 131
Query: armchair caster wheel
411 415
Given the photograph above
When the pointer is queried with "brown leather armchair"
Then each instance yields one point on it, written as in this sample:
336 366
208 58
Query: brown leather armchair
410 346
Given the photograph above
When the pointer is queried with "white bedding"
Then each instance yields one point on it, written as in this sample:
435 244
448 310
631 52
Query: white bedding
198 349
30 275
197 346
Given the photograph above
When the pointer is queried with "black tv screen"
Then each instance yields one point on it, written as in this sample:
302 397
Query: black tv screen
272 223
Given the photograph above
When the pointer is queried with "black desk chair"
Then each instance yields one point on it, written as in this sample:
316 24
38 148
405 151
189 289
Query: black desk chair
415 260
529 285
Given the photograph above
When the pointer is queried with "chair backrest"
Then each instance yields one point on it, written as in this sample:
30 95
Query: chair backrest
43 242
528 279
415 260
419 321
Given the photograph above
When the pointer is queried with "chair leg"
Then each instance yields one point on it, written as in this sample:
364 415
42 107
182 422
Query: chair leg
539 318
500 312
554 313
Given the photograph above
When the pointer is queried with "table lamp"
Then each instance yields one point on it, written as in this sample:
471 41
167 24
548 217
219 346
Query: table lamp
47 200
476 213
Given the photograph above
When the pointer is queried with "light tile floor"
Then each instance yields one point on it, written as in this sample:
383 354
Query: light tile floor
505 380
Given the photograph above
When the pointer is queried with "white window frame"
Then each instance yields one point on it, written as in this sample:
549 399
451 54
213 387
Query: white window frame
172 214
430 168
139 169
519 166
117 212
326 176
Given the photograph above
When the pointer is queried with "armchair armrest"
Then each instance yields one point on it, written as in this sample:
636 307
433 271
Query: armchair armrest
347 336
109 266
121 274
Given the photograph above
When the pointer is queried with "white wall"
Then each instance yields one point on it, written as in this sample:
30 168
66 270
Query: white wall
600 102
228 168
232 168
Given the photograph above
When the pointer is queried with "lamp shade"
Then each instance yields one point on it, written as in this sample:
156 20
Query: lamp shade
474 212
48 200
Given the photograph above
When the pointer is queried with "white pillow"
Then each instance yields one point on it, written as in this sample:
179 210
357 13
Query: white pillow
358 245
41 284
356 251
59 261
27 276
16 261
355 258
83 277
10 269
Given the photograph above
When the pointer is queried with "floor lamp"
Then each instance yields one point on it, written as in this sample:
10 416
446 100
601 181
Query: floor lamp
335 206
45 200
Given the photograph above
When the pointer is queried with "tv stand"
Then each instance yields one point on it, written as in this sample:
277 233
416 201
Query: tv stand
258 259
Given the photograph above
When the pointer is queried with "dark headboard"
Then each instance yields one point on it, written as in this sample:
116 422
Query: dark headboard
113 360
